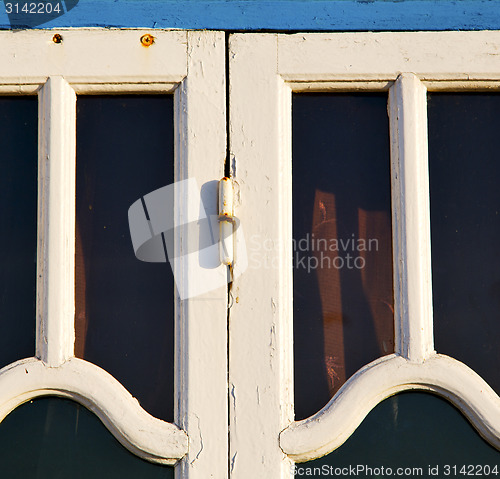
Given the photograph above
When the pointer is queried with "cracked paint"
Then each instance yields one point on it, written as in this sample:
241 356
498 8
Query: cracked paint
199 435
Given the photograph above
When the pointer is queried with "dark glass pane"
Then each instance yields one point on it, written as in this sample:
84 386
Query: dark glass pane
54 438
18 216
464 170
410 430
124 307
343 292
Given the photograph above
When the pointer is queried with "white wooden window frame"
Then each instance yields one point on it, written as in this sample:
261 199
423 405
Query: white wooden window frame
191 66
265 69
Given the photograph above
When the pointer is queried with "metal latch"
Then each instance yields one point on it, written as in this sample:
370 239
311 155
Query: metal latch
226 221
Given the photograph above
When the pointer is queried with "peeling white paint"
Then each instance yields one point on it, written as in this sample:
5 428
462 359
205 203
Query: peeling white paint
264 70
201 336
188 65
260 335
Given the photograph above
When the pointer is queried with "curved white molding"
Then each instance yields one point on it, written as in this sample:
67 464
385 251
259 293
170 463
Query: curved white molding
331 427
142 434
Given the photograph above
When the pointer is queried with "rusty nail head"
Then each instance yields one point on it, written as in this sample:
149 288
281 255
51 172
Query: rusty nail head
57 38
147 40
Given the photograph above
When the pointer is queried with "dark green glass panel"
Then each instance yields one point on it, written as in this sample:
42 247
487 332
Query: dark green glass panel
18 216
124 307
464 171
410 430
52 438
342 241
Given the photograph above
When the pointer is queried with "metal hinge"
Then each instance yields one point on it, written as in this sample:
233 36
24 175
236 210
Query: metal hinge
226 221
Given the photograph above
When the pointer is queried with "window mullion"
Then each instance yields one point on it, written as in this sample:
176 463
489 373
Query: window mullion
411 219
56 222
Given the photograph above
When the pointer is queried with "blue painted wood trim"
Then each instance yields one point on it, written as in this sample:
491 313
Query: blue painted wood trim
280 15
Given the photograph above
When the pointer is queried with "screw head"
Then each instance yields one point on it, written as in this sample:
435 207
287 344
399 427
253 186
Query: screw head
57 38
147 40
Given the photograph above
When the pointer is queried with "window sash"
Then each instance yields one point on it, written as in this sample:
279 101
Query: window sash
191 66
405 65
